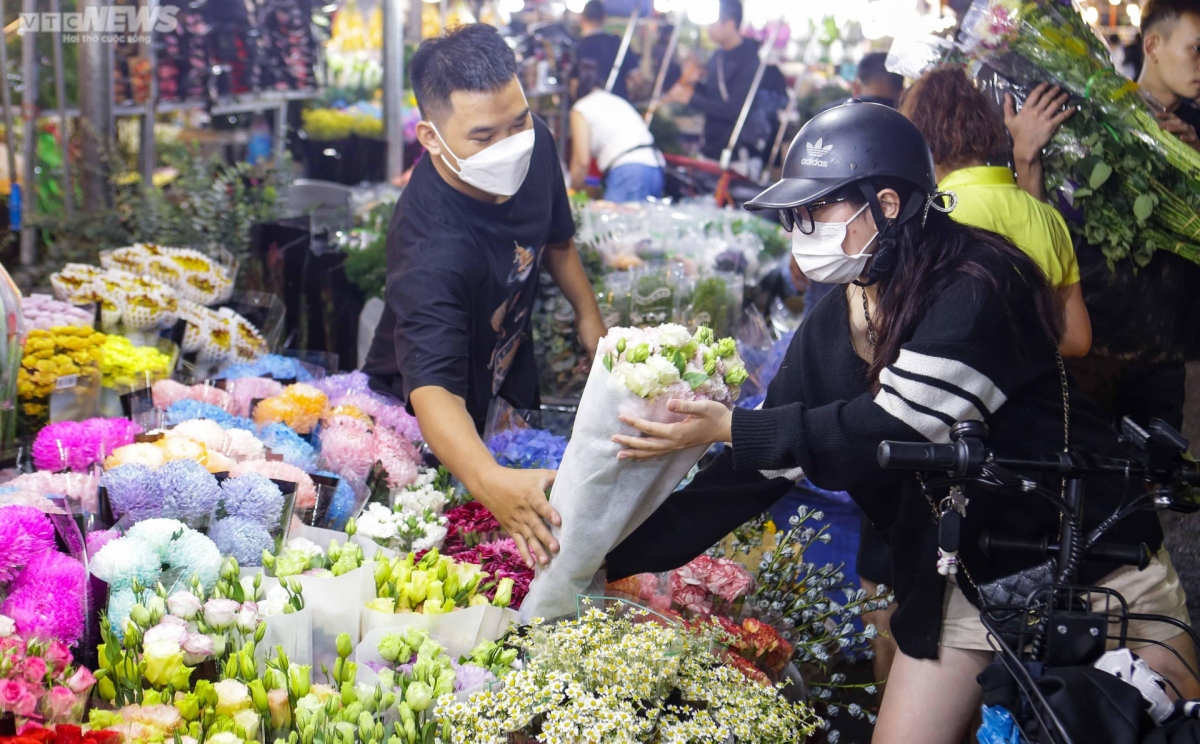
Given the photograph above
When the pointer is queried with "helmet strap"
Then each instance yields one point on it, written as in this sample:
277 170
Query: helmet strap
884 256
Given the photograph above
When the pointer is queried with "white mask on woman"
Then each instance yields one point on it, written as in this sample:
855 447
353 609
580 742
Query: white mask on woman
820 256
499 169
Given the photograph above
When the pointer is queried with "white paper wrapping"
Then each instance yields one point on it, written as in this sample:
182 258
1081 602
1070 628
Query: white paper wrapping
294 632
336 603
601 499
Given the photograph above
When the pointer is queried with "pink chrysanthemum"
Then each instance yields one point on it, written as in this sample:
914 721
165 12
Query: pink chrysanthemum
398 456
348 449
247 389
46 599
25 533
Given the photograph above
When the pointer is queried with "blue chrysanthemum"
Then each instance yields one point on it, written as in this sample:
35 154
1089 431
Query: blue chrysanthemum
125 559
193 554
242 538
188 490
133 490
269 365
343 505
157 533
284 440
120 604
186 410
254 497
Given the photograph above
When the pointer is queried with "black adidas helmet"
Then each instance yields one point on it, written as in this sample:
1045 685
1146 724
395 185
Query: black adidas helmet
855 143
846 144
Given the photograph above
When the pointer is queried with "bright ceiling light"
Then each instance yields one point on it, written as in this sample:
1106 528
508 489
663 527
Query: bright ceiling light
576 6
703 12
511 6
1091 15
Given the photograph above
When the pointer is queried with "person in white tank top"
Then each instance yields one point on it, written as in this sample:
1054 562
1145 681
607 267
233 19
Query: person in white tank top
606 127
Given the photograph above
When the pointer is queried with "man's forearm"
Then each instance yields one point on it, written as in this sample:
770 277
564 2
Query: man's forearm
562 261
450 432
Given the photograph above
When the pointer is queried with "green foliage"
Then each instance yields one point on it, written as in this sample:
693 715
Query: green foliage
366 254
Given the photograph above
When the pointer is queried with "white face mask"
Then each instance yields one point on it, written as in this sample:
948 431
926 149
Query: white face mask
820 255
499 169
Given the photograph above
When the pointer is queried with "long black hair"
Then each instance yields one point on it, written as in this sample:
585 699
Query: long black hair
927 255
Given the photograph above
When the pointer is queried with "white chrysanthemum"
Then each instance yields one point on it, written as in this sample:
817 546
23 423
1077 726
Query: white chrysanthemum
304 547
665 372
672 335
377 522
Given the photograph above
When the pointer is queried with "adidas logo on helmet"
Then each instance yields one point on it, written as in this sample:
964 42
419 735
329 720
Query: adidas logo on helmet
817 154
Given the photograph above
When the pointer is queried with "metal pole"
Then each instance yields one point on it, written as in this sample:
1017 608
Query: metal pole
60 94
281 129
29 146
624 50
393 82
763 56
149 146
95 111
6 94
668 55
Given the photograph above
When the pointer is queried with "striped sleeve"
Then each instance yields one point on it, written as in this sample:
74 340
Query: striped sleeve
931 394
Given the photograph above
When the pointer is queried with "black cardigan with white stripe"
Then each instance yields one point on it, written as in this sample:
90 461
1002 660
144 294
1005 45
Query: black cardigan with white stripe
974 355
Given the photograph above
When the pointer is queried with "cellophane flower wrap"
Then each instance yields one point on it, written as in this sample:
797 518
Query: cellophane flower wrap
602 499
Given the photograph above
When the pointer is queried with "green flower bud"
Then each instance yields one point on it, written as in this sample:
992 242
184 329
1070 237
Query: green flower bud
351 526
140 616
344 646
621 346
258 694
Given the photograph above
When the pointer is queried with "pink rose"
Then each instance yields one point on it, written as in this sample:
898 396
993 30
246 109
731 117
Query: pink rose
10 694
60 704
58 656
196 648
81 681
172 620
33 669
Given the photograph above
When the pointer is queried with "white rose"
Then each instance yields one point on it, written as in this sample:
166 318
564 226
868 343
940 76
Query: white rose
673 335
220 613
184 605
7 626
232 696
248 720
247 617
307 548
274 603
166 632
642 381
377 523
225 737
665 373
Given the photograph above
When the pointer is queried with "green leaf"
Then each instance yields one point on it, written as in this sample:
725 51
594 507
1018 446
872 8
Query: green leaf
1100 173
695 379
679 362
1143 206
1081 192
608 362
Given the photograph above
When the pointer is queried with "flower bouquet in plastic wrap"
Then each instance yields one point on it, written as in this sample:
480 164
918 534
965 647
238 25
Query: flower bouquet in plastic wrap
441 595
602 499
1133 187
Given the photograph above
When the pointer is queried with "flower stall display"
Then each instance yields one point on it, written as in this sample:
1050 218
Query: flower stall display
40 683
501 561
402 531
622 677
127 301
62 360
602 499
1134 186
411 656
252 518
527 448
194 276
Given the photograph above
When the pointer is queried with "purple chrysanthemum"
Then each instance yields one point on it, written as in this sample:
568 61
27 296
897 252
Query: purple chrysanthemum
133 490
25 533
189 492
470 677
336 386
244 539
46 600
253 496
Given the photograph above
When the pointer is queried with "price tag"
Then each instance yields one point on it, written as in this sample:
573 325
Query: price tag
66 381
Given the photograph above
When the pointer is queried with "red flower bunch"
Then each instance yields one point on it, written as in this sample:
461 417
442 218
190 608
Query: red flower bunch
500 560
694 586
758 642
62 734
468 525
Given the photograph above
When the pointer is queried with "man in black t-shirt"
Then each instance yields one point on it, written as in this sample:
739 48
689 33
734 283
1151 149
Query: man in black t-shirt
481 215
601 47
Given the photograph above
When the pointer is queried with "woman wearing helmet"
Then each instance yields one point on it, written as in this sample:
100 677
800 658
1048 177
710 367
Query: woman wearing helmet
939 322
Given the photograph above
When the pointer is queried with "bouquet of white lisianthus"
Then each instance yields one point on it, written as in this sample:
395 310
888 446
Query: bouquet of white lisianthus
601 499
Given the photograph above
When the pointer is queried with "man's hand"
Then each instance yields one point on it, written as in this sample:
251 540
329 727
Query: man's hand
518 500
692 72
681 94
1037 121
1179 128
591 330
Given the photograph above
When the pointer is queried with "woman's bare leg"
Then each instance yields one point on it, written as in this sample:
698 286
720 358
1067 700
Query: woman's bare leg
883 645
1165 663
932 702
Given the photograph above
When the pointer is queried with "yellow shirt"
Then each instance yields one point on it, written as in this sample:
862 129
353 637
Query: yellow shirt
989 198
